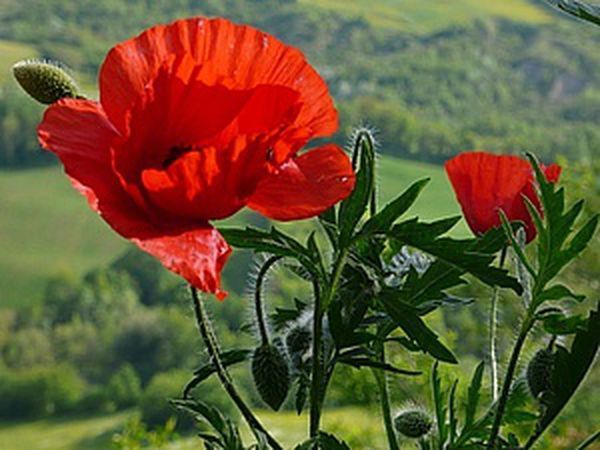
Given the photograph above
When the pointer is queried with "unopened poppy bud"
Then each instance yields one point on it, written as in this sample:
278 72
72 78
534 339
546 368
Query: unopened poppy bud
539 372
271 375
413 424
298 340
45 82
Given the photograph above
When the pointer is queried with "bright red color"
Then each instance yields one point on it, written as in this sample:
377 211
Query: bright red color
485 183
196 120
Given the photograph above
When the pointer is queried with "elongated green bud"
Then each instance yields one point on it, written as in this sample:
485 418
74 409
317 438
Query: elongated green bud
413 424
45 82
271 375
539 372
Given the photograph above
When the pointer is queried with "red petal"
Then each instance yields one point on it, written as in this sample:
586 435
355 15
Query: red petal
485 183
241 54
79 133
198 256
305 186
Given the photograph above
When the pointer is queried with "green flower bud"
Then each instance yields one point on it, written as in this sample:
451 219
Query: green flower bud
298 340
271 375
45 82
413 424
539 372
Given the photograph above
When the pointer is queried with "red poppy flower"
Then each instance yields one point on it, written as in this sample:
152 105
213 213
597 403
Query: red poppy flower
196 120
485 183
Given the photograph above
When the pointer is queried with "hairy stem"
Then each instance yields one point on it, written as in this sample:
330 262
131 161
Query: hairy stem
493 325
318 377
317 364
209 338
384 399
258 303
508 379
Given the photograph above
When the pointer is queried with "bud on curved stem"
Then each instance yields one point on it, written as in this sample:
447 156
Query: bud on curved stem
44 81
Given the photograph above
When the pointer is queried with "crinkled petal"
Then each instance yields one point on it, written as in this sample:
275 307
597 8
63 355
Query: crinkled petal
197 255
305 186
243 55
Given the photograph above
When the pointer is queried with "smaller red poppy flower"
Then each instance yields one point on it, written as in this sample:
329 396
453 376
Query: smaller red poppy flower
197 120
485 184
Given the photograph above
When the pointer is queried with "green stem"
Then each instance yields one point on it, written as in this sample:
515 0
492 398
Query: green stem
209 338
510 373
493 325
317 364
318 381
384 399
258 303
589 441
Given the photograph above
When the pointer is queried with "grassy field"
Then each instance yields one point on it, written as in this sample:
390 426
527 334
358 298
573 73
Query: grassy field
426 16
96 433
46 227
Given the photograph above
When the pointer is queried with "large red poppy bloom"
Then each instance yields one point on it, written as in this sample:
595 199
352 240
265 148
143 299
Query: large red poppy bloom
196 120
485 183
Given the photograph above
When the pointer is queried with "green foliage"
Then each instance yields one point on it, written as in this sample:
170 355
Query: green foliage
153 341
570 367
39 392
136 436
124 387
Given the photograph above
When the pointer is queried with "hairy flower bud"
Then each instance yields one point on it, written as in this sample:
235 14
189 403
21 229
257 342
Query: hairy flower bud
413 424
271 375
539 372
298 340
45 82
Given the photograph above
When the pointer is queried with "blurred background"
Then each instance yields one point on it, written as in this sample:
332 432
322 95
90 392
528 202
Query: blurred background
95 336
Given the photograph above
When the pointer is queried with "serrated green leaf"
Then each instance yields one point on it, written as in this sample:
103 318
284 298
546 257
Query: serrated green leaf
473 395
408 319
383 220
560 324
570 368
558 292
228 358
465 255
439 404
323 441
353 207
358 362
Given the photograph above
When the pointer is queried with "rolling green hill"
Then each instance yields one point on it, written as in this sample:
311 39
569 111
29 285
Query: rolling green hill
46 227
420 16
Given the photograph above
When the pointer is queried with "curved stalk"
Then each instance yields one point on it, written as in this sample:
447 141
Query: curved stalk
209 338
258 303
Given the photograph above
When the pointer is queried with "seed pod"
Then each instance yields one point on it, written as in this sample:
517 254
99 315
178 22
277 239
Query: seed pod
413 424
298 340
45 82
271 375
539 372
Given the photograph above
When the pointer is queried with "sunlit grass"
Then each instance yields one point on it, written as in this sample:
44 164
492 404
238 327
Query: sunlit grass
426 16
95 433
